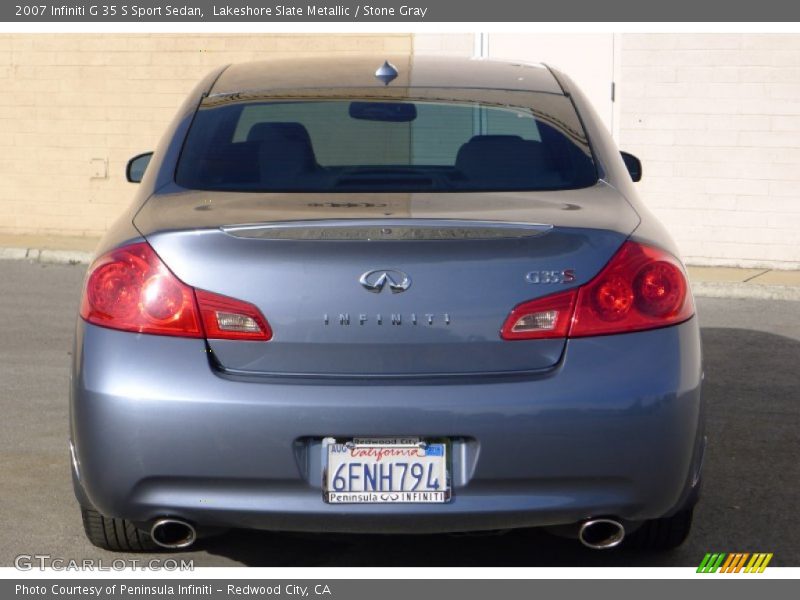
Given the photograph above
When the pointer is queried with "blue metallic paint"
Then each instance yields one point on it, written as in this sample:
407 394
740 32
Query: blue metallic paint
613 429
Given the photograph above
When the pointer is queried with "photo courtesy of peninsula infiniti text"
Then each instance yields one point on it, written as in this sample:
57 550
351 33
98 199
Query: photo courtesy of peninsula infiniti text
386 294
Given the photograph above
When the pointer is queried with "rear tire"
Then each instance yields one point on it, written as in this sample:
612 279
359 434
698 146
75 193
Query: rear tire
659 535
118 535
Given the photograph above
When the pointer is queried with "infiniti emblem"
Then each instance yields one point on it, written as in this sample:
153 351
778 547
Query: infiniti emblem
376 280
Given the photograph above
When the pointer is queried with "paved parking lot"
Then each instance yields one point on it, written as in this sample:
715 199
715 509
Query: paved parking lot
752 475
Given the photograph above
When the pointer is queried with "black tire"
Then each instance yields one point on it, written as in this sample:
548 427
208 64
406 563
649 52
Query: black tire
117 535
659 535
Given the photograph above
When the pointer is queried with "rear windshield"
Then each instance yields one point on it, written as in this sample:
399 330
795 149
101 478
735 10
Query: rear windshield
384 146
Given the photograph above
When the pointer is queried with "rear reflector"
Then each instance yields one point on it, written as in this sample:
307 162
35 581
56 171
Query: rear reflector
640 288
131 289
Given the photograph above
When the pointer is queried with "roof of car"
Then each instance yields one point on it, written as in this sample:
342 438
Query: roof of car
338 72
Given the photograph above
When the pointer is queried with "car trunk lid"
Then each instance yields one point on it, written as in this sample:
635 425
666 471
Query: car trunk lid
386 285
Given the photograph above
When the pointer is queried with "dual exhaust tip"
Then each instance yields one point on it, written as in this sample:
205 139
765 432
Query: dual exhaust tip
173 533
598 534
601 534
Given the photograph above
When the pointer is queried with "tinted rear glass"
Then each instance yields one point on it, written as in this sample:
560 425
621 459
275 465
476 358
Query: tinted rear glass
384 146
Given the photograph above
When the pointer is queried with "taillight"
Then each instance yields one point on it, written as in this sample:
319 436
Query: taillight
640 288
547 317
230 319
130 289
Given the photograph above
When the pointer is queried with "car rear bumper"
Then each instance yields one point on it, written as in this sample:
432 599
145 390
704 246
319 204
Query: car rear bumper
616 429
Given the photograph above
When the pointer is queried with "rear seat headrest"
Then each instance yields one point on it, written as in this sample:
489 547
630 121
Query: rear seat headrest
490 157
269 132
285 151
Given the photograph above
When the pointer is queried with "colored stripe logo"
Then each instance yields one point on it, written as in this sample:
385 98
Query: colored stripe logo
736 562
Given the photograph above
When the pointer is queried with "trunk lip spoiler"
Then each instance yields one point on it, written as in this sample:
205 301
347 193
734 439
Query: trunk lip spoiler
409 229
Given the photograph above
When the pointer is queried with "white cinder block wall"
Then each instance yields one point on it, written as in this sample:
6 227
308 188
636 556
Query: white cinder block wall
716 121
714 118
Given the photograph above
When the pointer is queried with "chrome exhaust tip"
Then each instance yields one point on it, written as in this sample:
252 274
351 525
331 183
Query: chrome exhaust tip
173 533
600 534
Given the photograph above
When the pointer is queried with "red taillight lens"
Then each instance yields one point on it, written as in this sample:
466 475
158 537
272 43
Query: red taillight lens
661 289
132 290
547 317
640 288
613 298
230 319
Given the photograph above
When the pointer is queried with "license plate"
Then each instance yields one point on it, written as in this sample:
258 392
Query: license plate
386 470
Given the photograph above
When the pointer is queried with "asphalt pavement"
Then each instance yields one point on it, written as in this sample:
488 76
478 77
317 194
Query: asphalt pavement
752 472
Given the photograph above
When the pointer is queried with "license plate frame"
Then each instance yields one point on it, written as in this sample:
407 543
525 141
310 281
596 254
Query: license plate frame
385 456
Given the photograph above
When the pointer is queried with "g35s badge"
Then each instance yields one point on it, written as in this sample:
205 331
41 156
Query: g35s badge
565 276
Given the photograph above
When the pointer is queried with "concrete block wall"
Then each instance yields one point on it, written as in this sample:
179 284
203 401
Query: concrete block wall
715 119
75 108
